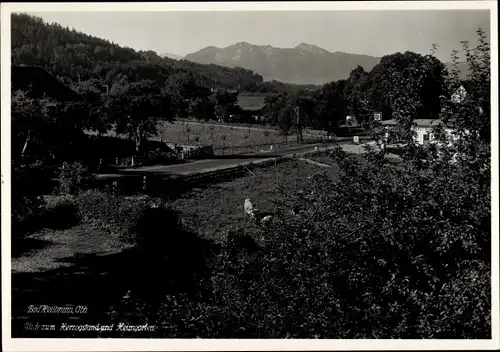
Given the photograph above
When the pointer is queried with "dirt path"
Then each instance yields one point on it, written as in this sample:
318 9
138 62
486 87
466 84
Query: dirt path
48 249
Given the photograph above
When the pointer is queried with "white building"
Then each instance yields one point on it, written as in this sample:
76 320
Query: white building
423 129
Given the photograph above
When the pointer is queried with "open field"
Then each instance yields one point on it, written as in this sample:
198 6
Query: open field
219 136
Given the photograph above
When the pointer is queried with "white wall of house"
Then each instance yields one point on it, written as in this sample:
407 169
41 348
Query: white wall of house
424 135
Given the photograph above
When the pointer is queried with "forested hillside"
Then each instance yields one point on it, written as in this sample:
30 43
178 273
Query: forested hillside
72 55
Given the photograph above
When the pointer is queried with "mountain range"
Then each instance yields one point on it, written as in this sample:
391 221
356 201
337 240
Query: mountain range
304 64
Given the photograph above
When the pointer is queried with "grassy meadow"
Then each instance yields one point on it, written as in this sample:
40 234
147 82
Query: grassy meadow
218 136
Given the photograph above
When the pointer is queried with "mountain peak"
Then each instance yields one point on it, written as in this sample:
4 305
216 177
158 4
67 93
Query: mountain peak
312 48
242 44
172 56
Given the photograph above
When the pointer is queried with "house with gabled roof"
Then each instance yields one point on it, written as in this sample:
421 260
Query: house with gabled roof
423 129
252 105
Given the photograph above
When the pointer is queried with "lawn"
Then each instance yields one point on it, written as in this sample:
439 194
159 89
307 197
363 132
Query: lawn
219 135
216 211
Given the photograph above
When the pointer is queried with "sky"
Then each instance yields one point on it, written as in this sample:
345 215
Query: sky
375 33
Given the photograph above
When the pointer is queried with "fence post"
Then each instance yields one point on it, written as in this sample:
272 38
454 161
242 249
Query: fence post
116 161
132 161
115 186
144 183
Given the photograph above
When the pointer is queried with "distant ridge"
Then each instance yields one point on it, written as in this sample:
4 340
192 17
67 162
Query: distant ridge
303 64
171 56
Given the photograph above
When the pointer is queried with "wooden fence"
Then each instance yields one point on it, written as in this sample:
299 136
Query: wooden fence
256 148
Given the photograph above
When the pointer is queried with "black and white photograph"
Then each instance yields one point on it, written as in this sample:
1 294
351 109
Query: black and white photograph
304 173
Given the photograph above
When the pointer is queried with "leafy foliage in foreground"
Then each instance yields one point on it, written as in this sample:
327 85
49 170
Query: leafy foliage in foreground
391 253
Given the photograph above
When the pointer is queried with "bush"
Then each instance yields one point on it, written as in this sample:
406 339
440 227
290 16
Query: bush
159 156
61 214
115 215
406 255
29 183
74 178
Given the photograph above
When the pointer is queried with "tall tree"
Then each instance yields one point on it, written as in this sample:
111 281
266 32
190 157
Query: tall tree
95 92
224 104
137 108
354 94
273 107
30 121
331 107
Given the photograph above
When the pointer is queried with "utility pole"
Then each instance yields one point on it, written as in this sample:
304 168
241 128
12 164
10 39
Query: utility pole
298 125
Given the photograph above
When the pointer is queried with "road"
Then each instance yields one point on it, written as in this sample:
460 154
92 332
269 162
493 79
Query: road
208 165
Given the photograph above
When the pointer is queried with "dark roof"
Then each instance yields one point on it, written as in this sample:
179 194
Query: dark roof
40 83
253 102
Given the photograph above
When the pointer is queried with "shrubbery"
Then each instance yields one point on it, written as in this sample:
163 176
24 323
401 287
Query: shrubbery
385 254
74 178
115 215
61 213
29 182
158 156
